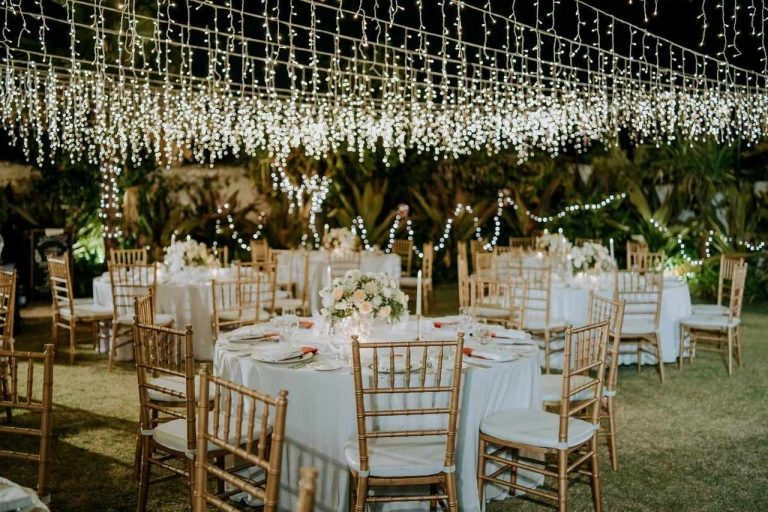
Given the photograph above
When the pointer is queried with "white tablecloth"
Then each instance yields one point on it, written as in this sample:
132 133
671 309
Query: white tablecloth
321 415
19 499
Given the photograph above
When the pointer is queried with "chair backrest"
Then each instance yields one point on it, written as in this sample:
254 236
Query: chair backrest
129 282
525 242
162 352
30 390
404 249
221 253
585 348
128 256
399 370
498 300
463 278
727 265
508 249
241 301
484 265
737 291
245 424
427 260
602 309
7 308
343 261
644 261
62 297
641 294
538 282
144 309
292 274
461 251
581 241
307 482
259 250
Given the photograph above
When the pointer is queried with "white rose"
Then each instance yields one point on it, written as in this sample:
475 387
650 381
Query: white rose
387 292
376 301
358 296
385 312
338 293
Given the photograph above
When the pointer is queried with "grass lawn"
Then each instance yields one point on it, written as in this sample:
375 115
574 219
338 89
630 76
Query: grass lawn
699 442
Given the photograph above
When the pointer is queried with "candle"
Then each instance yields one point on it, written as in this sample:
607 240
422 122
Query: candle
328 275
611 244
325 229
418 293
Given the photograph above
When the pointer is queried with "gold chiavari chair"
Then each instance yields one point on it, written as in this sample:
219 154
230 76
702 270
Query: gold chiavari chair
411 282
67 313
129 282
221 253
526 243
384 455
464 282
128 256
505 249
633 249
581 241
641 294
570 437
240 302
538 309
646 261
25 384
498 301
292 281
7 315
601 309
343 262
484 265
245 424
461 251
404 249
717 333
259 251
267 273
724 283
476 245
307 482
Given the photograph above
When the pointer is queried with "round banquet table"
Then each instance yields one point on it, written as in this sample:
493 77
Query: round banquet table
378 262
322 413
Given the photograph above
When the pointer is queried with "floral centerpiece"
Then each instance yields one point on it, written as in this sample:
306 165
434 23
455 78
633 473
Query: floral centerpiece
553 243
359 294
340 238
591 256
187 253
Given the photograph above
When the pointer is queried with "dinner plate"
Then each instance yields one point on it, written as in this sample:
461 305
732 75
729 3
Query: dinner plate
264 358
327 365
399 366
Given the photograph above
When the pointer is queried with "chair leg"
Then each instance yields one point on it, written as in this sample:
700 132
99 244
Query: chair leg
352 494
141 506
72 333
54 332
361 493
597 492
730 352
740 360
562 480
481 447
137 455
546 352
612 443
112 345
681 355
450 490
657 344
513 454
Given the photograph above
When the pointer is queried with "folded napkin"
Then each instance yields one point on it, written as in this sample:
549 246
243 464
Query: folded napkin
484 354
279 354
306 324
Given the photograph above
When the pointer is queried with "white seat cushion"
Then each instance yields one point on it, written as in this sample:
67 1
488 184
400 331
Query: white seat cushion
288 303
173 434
412 282
710 322
552 387
248 315
399 456
491 312
709 309
174 384
637 327
540 323
160 319
536 428
85 311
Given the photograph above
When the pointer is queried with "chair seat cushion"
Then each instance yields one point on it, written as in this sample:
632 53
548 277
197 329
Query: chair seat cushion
710 322
637 327
536 428
540 323
177 384
552 387
173 434
413 282
709 309
491 312
88 311
248 315
160 319
288 303
399 456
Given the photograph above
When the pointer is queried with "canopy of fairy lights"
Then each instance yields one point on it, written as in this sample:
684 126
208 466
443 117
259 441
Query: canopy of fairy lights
112 82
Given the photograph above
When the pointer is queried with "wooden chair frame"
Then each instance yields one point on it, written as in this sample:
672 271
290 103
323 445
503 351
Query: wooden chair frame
728 265
7 315
508 297
129 256
221 253
585 347
293 288
63 306
642 294
412 383
307 483
725 340
127 282
527 243
404 249
260 251
239 302
644 261
538 300
21 397
463 282
240 410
